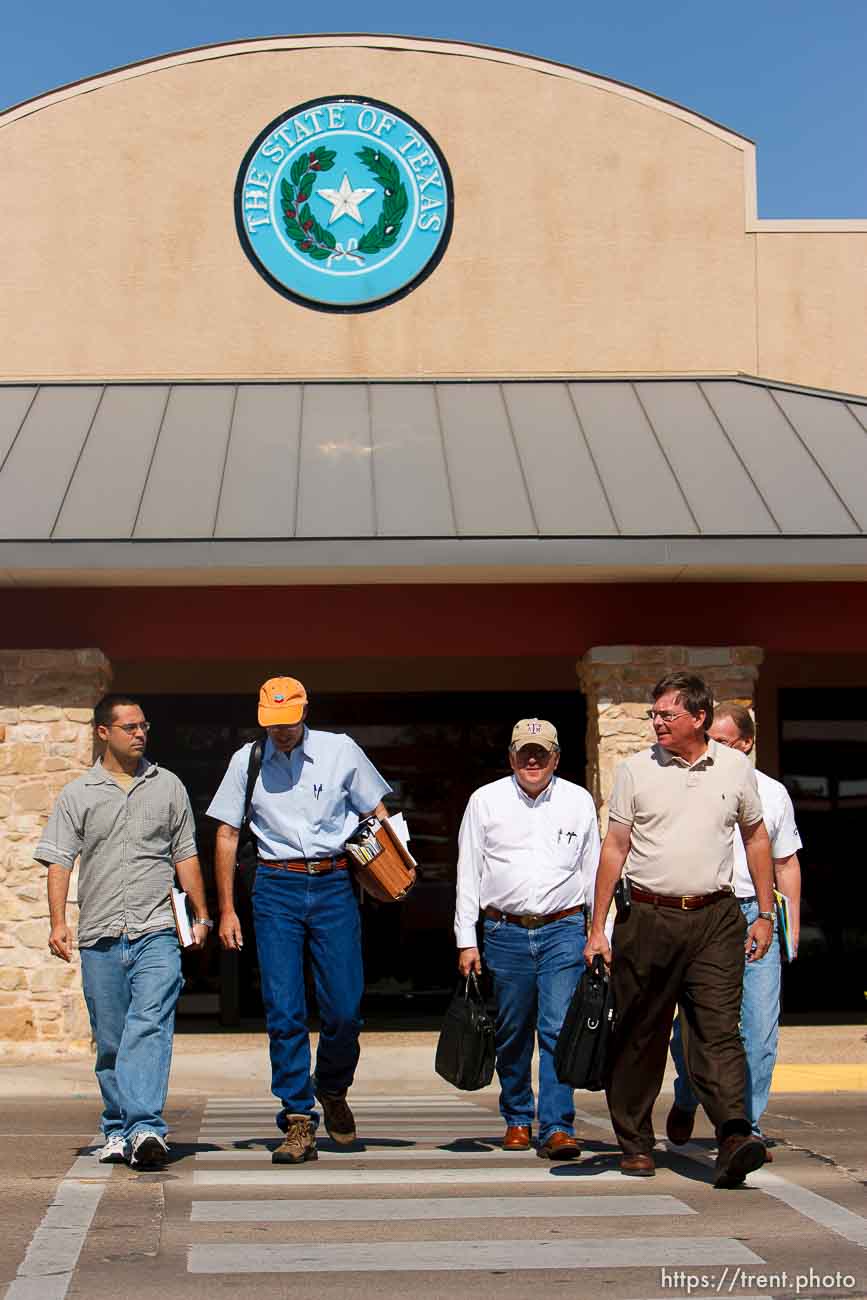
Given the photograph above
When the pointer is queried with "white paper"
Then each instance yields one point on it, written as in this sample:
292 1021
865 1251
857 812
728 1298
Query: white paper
400 828
182 918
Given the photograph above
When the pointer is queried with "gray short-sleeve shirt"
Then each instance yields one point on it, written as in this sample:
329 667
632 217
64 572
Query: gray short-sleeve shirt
682 817
128 841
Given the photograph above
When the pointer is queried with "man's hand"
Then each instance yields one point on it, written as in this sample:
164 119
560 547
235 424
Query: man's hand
759 938
469 960
597 946
200 934
60 942
230 931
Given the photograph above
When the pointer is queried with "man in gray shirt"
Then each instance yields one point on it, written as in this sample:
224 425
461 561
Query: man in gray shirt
131 825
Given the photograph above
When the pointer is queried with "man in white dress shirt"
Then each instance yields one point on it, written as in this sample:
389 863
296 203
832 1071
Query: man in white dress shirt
760 1001
528 852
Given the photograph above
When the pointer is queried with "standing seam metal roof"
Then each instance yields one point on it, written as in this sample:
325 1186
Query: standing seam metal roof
555 459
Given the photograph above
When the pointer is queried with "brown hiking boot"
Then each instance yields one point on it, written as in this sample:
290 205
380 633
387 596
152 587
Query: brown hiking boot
299 1142
339 1119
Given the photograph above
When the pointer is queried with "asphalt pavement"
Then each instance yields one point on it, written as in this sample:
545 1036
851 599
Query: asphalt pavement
425 1204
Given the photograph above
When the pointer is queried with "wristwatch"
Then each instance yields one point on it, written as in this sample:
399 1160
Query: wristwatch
765 916
203 920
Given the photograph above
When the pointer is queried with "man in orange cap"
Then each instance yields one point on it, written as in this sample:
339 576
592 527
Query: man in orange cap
313 789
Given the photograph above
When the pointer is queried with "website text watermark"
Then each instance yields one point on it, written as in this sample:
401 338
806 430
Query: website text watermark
739 1279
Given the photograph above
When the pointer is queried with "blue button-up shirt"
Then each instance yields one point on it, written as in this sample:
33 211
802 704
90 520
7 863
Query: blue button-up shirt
306 803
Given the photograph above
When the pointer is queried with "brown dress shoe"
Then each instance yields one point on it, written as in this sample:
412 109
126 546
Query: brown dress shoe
679 1125
638 1165
299 1142
517 1138
339 1119
738 1155
559 1146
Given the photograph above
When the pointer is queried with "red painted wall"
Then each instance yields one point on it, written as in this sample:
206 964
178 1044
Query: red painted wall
394 621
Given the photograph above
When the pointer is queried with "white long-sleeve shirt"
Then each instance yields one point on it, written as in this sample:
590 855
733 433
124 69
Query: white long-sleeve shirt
525 855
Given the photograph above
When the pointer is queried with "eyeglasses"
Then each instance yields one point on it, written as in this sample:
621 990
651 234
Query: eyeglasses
132 727
665 715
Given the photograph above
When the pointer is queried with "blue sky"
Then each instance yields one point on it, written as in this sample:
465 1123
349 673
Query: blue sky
790 74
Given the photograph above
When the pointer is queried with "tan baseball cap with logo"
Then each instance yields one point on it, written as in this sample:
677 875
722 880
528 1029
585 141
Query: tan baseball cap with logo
282 701
535 731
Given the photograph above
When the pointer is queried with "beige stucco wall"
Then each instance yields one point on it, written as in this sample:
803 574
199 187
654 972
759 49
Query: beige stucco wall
813 308
597 230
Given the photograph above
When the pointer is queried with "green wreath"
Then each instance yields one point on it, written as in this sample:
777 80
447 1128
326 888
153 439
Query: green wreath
385 231
305 231
301 226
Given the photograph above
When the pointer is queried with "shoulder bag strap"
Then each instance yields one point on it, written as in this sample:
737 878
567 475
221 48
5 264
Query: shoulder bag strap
254 766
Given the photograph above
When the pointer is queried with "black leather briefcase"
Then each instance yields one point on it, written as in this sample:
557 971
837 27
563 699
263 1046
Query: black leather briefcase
465 1051
582 1045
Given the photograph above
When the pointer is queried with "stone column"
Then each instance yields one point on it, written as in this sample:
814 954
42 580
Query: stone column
617 681
46 739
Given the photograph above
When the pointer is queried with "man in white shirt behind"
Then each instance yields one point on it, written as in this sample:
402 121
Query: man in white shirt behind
760 1001
528 853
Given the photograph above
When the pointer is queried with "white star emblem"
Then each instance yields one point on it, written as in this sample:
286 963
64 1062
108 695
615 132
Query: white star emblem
345 201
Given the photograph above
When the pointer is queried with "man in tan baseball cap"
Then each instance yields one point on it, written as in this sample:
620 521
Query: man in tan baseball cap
528 851
535 731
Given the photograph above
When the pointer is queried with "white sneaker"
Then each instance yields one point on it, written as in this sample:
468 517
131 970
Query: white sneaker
148 1150
114 1150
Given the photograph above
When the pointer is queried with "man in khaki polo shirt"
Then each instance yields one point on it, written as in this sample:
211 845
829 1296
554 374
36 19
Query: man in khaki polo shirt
672 816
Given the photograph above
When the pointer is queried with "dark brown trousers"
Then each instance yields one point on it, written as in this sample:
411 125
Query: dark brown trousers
663 956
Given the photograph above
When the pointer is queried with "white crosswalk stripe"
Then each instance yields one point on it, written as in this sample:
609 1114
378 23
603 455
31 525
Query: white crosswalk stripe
445 1178
315 1176
445 1256
345 1155
431 1207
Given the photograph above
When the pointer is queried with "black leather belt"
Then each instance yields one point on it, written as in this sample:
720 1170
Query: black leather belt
684 902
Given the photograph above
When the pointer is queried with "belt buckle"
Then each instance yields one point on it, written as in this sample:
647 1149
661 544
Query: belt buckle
312 868
683 902
532 919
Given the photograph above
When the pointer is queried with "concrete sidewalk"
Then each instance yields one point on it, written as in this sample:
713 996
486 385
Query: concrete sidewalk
812 1058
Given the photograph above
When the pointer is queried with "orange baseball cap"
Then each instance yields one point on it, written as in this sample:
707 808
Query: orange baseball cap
282 701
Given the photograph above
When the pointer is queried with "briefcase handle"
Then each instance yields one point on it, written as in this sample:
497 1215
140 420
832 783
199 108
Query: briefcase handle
476 990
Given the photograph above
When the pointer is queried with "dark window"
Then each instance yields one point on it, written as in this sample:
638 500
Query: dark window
823 762
434 749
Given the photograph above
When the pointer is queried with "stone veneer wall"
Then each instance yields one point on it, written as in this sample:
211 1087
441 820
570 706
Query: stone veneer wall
617 681
46 739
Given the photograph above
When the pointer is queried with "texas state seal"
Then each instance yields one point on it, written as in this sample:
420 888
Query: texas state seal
344 204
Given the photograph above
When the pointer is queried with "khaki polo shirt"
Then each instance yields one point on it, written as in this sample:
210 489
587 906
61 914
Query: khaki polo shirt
682 817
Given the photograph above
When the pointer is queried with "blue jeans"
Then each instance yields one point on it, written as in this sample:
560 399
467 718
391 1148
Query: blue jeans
131 987
291 910
535 973
760 1015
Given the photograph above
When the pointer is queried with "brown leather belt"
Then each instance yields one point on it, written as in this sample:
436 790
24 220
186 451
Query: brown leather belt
307 866
530 920
684 902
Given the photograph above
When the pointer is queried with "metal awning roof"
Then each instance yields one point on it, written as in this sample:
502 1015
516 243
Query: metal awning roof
263 482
